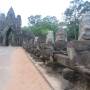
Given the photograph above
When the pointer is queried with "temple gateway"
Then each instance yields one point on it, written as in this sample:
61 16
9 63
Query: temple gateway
10 30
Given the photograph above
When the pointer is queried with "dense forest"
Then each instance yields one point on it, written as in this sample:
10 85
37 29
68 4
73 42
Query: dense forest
40 25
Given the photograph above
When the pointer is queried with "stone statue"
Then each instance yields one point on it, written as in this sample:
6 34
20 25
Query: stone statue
84 31
61 39
61 35
78 71
50 37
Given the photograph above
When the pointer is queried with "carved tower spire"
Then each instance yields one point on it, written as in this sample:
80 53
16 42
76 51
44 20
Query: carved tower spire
10 19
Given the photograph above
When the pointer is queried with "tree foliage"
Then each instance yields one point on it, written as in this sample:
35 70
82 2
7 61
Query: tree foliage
40 26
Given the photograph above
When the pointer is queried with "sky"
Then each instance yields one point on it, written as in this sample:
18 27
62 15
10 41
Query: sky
25 8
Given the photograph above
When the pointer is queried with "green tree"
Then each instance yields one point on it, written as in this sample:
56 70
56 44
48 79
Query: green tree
34 19
40 26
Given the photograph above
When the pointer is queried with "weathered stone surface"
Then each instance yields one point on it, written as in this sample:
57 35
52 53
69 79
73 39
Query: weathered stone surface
2 21
79 53
8 26
61 40
79 63
61 59
84 32
50 37
78 67
46 52
61 35
18 22
60 45
11 33
10 18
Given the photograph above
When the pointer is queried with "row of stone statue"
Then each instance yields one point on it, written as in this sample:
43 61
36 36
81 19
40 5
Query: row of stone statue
84 31
73 55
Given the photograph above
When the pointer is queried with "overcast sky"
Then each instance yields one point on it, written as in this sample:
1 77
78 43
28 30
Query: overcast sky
35 7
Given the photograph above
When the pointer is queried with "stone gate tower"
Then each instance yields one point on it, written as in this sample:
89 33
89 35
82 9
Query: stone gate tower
9 24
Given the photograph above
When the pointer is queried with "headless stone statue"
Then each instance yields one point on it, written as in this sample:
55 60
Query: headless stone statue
50 37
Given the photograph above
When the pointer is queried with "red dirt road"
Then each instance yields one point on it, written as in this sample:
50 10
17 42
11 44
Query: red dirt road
19 72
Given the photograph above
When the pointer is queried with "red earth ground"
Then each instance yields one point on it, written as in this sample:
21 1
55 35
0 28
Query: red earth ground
17 72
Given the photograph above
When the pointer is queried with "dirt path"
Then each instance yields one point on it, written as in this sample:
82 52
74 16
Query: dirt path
5 62
17 72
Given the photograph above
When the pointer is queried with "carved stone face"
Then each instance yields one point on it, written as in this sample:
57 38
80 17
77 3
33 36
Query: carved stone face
84 32
61 35
60 41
